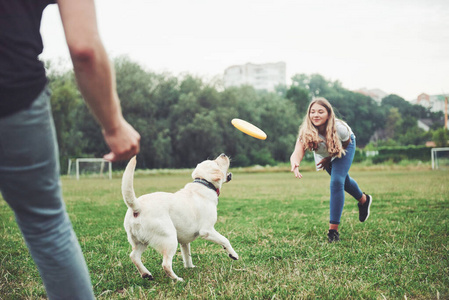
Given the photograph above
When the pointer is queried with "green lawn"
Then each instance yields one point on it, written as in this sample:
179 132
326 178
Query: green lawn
277 224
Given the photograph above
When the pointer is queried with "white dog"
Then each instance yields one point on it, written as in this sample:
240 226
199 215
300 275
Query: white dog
162 220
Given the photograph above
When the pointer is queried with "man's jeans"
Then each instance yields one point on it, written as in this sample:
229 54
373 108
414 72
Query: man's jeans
30 184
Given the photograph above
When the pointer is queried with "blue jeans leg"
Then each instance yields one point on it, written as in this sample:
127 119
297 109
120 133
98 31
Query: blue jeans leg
30 184
341 182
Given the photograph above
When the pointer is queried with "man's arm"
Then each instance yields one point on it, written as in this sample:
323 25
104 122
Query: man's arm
96 77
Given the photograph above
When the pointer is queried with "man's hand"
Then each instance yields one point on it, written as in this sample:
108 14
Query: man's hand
124 142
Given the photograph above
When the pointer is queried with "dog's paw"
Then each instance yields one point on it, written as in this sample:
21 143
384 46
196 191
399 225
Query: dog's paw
234 257
148 276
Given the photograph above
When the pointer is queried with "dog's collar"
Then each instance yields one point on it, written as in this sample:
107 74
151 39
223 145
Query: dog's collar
208 184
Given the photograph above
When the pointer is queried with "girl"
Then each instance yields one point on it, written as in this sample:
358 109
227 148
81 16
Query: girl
333 144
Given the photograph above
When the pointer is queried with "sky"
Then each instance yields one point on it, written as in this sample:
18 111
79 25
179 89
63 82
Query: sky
398 46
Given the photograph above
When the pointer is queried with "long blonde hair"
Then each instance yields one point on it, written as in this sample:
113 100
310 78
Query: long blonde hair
308 133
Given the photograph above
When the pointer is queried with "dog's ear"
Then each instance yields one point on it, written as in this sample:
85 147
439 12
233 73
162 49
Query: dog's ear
195 173
217 175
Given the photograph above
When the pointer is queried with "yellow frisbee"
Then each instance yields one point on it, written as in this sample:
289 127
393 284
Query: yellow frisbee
249 129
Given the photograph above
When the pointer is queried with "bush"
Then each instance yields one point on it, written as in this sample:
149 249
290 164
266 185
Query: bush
394 158
359 156
404 152
262 157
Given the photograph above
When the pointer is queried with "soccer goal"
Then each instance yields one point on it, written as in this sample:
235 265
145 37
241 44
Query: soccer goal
92 167
440 158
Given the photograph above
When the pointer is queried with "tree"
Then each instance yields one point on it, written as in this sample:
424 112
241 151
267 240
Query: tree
300 97
414 136
65 102
143 103
184 120
316 84
441 137
405 108
402 122
280 121
393 122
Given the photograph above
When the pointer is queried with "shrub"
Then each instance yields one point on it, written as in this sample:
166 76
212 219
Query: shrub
394 158
405 152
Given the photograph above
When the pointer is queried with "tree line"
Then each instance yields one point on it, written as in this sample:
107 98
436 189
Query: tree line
186 119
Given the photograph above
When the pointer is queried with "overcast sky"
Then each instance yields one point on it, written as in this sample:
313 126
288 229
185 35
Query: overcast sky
398 46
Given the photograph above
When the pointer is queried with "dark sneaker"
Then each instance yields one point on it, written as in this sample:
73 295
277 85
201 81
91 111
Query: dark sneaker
333 236
364 209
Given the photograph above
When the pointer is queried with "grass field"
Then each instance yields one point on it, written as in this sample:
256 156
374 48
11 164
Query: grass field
277 224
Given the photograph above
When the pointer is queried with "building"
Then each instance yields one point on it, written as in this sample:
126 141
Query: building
260 76
435 103
375 94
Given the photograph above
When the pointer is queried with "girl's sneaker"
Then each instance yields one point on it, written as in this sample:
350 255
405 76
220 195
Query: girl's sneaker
333 236
364 209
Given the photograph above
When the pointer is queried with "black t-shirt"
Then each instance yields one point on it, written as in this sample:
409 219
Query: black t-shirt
22 74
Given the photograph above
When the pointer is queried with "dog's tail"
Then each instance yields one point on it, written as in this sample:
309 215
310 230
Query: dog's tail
127 184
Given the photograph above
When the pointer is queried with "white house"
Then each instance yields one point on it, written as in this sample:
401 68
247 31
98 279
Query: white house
260 76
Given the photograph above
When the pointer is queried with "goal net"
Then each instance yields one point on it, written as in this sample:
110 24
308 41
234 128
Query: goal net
90 167
440 158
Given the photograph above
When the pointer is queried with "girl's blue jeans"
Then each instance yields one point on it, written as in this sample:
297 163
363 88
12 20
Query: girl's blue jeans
341 182
30 184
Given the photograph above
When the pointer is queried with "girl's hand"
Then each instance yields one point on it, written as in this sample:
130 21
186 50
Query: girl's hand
296 158
295 170
324 163
346 144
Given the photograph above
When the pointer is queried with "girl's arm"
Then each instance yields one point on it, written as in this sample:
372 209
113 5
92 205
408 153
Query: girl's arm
296 158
